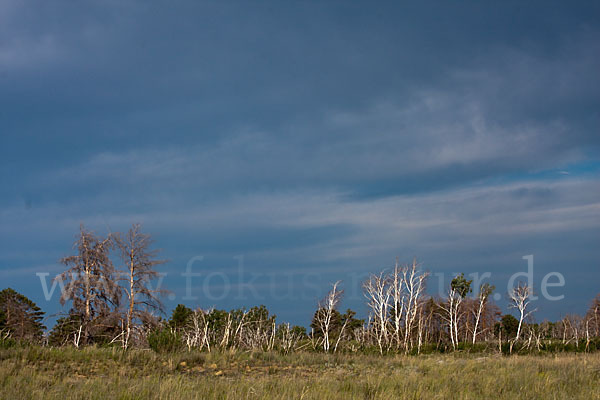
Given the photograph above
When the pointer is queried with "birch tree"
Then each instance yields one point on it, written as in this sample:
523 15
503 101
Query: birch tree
414 282
485 290
326 309
459 288
397 294
520 297
377 292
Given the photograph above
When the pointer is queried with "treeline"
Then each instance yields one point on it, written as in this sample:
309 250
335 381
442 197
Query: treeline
116 305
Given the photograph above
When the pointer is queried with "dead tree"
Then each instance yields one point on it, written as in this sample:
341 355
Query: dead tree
587 334
593 316
91 283
396 290
451 316
459 288
326 310
520 297
196 332
572 326
414 282
377 292
287 338
341 335
485 290
139 263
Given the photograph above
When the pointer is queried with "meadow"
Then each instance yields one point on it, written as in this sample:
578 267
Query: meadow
33 372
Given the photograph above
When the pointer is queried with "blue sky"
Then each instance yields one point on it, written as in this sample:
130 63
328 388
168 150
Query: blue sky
318 140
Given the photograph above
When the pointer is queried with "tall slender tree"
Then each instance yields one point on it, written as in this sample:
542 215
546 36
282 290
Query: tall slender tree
376 290
414 282
139 263
593 316
520 297
485 290
324 317
459 288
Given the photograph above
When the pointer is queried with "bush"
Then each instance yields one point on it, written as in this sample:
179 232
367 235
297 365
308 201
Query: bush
7 343
165 340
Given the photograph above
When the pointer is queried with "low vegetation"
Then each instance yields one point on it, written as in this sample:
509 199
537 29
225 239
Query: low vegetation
98 373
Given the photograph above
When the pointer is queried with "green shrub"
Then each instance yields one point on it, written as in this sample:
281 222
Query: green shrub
7 343
165 340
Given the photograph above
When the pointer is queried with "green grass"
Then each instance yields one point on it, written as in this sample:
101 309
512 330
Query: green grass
94 373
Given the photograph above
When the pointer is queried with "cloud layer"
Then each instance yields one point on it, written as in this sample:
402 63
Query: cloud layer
323 138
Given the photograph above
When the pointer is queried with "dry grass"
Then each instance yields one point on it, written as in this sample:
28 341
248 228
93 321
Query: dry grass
41 373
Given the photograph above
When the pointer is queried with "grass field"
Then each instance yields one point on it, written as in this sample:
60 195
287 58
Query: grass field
93 373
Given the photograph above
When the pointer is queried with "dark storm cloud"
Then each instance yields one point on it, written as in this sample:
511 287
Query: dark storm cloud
316 135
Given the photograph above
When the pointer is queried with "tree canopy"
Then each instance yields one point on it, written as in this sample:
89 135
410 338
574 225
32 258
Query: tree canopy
20 316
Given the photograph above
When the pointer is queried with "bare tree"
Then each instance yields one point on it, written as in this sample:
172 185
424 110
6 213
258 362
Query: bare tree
451 309
587 334
377 292
593 316
196 332
397 294
139 270
485 290
414 282
573 327
520 297
325 313
288 338
91 283
459 288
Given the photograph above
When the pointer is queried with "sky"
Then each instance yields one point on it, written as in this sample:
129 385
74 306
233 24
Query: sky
274 147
